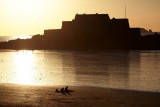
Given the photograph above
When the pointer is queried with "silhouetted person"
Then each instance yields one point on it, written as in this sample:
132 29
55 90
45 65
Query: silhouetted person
57 90
62 90
66 89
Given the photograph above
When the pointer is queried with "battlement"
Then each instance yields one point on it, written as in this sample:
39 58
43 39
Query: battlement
120 23
50 32
67 24
92 17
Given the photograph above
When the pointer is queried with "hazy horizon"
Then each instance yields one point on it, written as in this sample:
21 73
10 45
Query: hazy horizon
29 17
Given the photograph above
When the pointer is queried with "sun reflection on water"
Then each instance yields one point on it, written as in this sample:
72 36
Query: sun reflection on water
24 68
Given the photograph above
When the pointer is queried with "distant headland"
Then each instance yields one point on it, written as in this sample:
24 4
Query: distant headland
89 32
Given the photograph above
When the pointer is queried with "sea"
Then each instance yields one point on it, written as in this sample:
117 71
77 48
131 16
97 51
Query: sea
129 70
7 38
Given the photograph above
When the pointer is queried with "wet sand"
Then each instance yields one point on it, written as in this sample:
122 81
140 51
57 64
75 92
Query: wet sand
23 95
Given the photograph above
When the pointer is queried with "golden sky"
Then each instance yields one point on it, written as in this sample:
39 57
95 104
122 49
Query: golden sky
28 17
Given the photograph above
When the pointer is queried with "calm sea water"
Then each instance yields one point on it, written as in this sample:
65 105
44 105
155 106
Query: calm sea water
135 70
7 38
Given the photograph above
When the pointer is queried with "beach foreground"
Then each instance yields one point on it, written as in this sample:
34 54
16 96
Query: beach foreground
23 95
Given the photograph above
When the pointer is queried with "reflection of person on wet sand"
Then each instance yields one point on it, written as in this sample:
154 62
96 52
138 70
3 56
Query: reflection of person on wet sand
62 91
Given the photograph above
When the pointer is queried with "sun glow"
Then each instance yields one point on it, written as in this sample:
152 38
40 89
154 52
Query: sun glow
24 70
28 17
24 37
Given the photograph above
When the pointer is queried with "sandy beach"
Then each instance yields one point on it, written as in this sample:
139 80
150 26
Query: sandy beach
23 95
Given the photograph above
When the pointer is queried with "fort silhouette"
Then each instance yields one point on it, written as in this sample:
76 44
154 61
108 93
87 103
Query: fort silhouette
89 31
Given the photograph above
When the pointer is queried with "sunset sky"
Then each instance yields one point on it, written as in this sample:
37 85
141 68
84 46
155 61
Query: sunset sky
28 17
